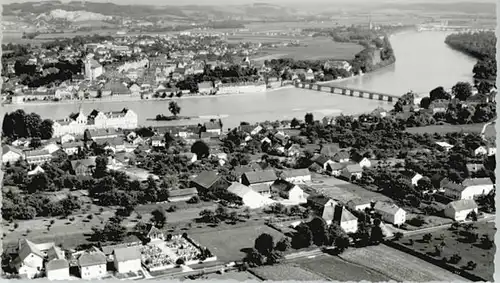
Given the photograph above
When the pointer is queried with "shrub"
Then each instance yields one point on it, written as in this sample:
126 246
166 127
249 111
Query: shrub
16 225
90 217
194 199
52 222
179 261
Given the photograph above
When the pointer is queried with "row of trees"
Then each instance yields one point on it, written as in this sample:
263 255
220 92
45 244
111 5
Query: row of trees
19 124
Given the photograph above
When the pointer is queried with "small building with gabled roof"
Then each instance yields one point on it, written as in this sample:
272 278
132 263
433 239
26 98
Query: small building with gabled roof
390 212
266 177
127 259
459 210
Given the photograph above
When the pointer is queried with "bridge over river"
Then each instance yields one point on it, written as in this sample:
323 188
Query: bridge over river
349 91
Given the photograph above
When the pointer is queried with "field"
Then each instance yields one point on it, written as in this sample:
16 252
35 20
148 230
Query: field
232 275
283 272
443 129
343 191
310 49
398 265
468 251
336 269
229 245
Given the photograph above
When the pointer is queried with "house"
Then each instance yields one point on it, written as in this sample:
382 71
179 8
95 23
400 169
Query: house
469 189
248 196
281 137
492 150
92 264
57 269
157 141
444 145
72 147
390 212
67 138
322 161
345 219
330 149
352 172
213 127
37 170
127 259
83 167
37 157
155 234
413 177
289 191
323 206
256 130
206 87
358 204
51 147
335 169
341 157
207 181
182 194
459 210
361 160
252 179
293 150
480 150
22 142
29 260
474 167
11 154
296 175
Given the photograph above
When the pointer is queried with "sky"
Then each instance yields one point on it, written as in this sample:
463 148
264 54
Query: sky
239 2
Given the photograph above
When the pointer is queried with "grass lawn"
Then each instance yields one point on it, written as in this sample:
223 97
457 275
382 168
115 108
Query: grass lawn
398 265
443 129
337 269
283 272
232 275
313 49
455 244
228 244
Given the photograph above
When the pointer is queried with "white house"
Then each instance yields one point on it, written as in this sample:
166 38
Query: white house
415 178
51 147
293 194
249 197
127 259
469 188
57 269
297 175
390 212
348 222
460 209
11 154
492 151
35 171
29 261
92 264
157 141
358 204
92 69
444 145
67 138
335 169
480 150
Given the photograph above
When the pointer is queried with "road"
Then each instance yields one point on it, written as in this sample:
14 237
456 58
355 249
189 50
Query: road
488 218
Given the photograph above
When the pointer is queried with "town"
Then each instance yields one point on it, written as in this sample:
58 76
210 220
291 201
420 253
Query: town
137 184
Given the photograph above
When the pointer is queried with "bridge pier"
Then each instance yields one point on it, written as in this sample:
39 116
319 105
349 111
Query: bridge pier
389 98
332 89
360 94
380 97
351 92
344 91
310 86
370 95
319 87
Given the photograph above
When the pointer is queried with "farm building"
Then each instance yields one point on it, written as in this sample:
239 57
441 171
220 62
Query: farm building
127 259
249 197
390 212
460 209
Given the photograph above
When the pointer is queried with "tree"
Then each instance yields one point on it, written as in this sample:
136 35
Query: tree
201 149
264 244
112 231
486 242
294 123
283 244
342 243
377 235
462 90
159 217
309 118
101 168
174 108
425 102
255 258
35 143
87 137
427 237
439 93
303 237
319 231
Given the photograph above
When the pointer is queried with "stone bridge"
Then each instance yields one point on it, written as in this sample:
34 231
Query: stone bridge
349 91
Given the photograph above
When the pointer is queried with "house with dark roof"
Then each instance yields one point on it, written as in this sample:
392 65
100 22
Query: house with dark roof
469 189
330 149
289 191
182 194
29 260
83 167
352 172
459 210
296 175
127 259
361 160
335 169
155 234
321 161
358 204
92 264
208 180
341 156
11 154
253 179
213 127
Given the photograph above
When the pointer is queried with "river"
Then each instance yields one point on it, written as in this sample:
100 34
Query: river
423 62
